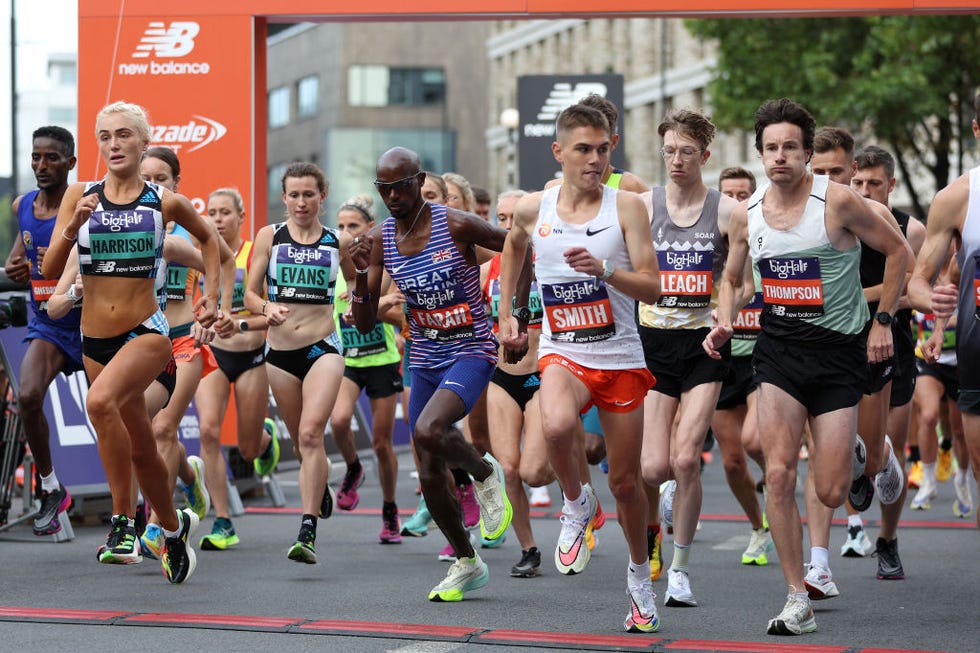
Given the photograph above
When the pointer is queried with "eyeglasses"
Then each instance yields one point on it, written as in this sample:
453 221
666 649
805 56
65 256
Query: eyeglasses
686 153
400 185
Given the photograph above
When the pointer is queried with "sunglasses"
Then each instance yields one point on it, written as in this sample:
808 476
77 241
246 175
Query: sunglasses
400 185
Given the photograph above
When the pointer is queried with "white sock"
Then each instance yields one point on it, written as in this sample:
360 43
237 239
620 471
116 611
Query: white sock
637 572
854 520
682 553
929 472
820 557
576 506
50 482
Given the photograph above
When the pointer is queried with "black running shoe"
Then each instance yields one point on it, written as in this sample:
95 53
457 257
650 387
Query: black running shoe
303 549
178 559
889 564
861 494
122 547
528 566
46 521
327 502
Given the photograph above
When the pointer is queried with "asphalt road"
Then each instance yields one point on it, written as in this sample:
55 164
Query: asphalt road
363 596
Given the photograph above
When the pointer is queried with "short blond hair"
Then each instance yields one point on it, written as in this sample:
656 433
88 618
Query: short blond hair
136 113
233 194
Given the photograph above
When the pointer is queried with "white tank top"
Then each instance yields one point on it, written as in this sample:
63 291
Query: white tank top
586 320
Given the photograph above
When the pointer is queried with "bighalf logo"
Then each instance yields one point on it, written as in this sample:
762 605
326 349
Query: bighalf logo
193 134
562 96
163 42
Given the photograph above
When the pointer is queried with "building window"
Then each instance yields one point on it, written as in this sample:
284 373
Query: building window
62 74
307 96
381 86
275 182
279 107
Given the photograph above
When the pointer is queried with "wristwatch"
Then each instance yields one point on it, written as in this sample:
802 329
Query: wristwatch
242 325
883 317
523 314
607 269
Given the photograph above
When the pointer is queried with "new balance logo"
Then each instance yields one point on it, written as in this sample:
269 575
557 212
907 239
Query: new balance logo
174 41
564 95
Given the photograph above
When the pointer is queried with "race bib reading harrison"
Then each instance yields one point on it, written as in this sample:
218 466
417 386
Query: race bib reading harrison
792 287
578 311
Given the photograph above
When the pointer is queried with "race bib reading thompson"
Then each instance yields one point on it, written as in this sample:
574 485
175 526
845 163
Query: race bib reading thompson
792 287
578 311
685 279
442 314
123 242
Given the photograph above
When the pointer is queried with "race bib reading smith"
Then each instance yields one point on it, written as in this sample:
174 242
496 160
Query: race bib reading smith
578 311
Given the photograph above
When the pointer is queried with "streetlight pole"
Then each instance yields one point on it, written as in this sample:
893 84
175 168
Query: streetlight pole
510 120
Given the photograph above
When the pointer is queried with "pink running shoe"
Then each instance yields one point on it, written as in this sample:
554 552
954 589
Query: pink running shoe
390 526
347 498
466 495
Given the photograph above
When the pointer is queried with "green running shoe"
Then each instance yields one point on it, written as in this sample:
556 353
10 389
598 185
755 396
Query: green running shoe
266 463
221 537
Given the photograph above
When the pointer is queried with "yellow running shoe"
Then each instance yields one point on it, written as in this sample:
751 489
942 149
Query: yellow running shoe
944 465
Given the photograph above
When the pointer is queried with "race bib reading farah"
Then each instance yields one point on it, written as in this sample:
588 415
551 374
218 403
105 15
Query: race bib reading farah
442 314
748 322
578 311
122 243
685 278
791 287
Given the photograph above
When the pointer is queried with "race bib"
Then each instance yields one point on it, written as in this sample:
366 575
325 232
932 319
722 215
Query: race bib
578 311
685 279
792 287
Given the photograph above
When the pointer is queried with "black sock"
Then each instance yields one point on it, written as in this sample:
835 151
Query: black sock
914 456
461 477
355 466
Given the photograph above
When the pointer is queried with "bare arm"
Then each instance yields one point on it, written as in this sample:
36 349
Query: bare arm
254 289
943 227
731 292
74 211
367 256
178 208
59 303
16 265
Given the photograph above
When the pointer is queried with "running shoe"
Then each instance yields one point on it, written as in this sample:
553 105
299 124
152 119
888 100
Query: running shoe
654 542
861 493
495 509
915 474
667 491
328 501
944 465
469 508
528 565
178 559
419 524
302 550
643 609
221 537
963 504
389 525
151 541
267 461
448 554
591 539
572 553
196 493
47 520
122 546
795 619
860 460
924 496
819 583
760 544
347 498
857 544
540 498
142 516
889 564
493 544
465 574
890 481
679 593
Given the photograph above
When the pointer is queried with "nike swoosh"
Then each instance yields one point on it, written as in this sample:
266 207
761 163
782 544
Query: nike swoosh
589 232
454 383
637 615
624 403
568 557
398 269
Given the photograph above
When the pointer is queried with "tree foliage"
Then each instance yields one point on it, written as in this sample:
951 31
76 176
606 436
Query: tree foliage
910 80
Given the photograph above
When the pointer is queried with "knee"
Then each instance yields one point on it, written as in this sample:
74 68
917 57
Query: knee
340 421
687 465
832 496
595 449
654 473
735 466
780 481
210 435
162 433
308 439
625 490
536 475
512 472
31 398
430 433
382 446
100 406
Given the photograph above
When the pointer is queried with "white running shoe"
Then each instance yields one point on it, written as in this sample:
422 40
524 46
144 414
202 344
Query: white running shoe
464 575
857 544
539 497
572 553
926 493
496 511
890 481
820 583
643 609
667 491
679 593
760 543
795 619
963 504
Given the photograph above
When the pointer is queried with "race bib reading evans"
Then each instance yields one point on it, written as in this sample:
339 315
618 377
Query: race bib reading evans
685 279
303 274
578 311
791 287
748 322
122 243
442 314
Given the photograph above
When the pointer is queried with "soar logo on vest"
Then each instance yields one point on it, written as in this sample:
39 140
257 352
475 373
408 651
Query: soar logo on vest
166 42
